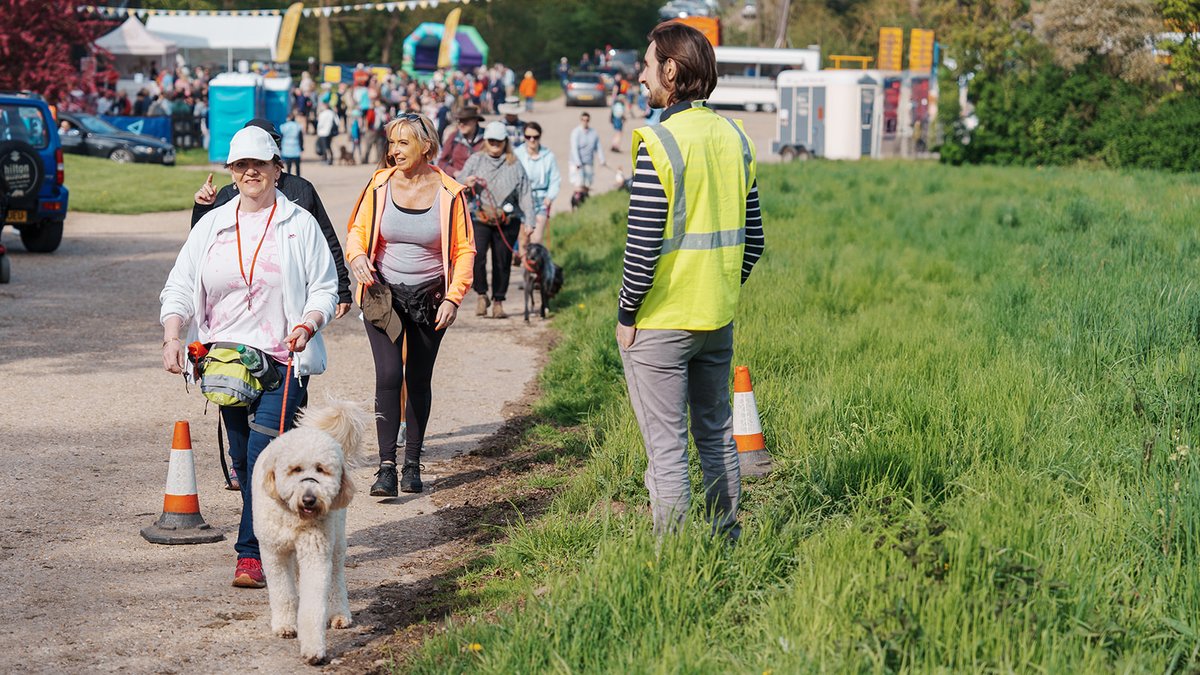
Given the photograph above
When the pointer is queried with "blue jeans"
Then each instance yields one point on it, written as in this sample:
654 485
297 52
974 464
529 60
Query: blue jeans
250 430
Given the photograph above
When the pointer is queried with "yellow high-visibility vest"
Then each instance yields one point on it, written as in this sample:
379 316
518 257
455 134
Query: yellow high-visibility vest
707 165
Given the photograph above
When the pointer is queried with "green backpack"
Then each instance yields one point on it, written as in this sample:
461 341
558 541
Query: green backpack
226 381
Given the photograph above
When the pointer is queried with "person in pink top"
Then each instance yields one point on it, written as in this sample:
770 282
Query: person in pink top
255 271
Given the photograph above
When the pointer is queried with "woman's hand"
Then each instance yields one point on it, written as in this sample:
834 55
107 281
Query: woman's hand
207 194
172 355
470 182
297 340
363 270
446 314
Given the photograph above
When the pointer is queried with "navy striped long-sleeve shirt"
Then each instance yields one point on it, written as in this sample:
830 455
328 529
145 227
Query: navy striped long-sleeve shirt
647 225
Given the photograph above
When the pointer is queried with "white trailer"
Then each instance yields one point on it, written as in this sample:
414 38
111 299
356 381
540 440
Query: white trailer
835 114
746 76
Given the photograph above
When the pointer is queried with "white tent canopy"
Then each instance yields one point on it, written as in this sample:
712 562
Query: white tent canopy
220 38
135 48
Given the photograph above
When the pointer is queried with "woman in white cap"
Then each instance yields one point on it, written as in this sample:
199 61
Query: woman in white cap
257 272
503 200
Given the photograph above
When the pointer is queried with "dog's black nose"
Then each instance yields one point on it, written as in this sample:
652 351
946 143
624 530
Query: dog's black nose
308 501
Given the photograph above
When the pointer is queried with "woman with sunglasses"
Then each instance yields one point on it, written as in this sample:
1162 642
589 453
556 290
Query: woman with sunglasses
502 202
255 271
544 182
409 230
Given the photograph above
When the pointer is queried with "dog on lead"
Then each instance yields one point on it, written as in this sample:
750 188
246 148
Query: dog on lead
302 487
542 275
346 157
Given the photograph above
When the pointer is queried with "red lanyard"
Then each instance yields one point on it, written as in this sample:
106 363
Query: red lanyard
237 227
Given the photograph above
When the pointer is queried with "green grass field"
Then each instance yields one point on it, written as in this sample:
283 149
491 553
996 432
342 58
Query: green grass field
981 388
101 185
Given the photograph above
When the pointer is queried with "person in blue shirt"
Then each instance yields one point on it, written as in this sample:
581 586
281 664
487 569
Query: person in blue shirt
292 144
544 183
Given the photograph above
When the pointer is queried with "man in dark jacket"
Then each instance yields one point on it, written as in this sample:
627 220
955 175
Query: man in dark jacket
461 141
304 195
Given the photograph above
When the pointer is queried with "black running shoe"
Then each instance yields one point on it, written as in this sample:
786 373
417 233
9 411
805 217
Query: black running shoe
410 477
385 485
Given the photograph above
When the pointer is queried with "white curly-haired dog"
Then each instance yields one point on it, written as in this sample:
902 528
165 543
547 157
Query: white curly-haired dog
301 489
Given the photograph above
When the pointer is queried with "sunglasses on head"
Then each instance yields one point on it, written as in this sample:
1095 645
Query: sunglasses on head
416 117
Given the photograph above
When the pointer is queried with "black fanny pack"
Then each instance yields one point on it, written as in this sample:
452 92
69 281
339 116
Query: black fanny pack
420 302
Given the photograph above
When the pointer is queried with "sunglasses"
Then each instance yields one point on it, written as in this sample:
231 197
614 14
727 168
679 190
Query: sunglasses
532 138
415 117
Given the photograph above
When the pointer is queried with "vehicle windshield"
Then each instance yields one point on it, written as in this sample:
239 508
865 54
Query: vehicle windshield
97 125
23 123
587 77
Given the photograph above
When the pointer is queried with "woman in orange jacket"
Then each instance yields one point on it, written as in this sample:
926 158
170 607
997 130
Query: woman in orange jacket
410 234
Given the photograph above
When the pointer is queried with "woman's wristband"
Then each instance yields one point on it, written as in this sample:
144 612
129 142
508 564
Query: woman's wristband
307 327
169 340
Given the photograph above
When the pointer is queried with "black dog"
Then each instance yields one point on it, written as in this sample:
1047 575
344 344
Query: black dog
541 274
579 197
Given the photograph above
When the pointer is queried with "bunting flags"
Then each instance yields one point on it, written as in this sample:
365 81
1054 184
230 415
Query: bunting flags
143 12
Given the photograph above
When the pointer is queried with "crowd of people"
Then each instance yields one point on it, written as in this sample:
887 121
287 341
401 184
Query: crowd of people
263 271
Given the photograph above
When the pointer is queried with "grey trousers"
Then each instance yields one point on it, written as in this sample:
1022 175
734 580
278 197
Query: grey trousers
670 374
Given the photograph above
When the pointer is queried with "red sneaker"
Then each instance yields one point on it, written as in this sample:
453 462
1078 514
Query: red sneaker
249 574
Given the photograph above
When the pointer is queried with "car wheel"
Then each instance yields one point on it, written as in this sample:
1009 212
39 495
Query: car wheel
121 156
803 154
5 270
769 108
787 154
750 107
43 238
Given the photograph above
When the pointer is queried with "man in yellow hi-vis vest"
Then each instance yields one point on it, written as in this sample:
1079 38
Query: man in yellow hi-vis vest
695 232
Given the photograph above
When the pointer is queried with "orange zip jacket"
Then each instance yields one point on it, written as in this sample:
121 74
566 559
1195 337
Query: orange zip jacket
458 238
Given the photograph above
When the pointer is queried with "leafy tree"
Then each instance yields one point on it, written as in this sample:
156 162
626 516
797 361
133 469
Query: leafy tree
40 46
1183 17
1114 33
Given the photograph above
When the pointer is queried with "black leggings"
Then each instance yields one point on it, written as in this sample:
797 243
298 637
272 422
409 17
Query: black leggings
502 255
423 343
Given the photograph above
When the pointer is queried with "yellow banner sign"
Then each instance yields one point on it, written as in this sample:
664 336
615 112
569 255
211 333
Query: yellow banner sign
920 50
891 48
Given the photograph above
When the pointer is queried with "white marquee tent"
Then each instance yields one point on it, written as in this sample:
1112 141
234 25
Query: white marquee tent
134 47
208 39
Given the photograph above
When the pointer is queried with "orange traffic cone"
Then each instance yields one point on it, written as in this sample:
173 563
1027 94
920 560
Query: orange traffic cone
180 522
753 458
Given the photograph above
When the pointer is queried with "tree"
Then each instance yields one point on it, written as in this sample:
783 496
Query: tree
39 47
1183 17
1114 32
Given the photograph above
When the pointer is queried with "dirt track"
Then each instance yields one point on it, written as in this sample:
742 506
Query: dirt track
85 426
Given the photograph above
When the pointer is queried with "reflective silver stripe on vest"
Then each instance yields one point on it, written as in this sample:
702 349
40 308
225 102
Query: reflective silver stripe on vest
679 208
680 239
745 152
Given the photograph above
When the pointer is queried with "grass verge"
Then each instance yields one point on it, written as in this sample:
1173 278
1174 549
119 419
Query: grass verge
100 185
981 387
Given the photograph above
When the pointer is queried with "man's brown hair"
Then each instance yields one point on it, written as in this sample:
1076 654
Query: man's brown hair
695 62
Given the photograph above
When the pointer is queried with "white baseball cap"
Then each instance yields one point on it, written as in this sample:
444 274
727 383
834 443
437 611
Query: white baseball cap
495 131
252 143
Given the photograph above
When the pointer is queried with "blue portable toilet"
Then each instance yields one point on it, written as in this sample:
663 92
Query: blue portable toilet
278 94
233 100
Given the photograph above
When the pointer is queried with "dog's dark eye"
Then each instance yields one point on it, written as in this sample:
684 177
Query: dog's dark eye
294 470
322 470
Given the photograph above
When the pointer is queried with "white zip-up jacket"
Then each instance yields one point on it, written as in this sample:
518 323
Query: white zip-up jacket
309 277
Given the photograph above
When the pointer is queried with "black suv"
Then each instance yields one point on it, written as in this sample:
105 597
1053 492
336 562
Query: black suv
33 198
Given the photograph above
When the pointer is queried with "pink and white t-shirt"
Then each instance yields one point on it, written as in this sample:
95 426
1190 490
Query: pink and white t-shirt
253 316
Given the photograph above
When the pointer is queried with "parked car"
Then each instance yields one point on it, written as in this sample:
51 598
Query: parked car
90 135
33 198
624 59
587 89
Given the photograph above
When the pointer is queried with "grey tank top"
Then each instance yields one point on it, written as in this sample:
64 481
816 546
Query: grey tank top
411 252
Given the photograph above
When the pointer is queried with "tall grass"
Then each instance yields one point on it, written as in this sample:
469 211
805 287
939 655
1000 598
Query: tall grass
981 388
